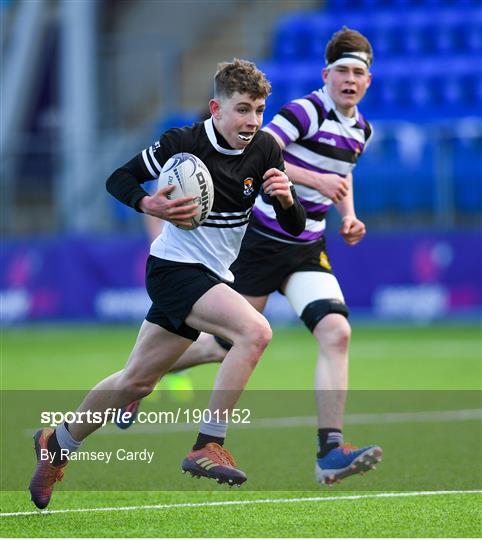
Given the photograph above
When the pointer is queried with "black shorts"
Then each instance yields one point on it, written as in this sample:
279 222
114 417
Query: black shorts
264 264
174 288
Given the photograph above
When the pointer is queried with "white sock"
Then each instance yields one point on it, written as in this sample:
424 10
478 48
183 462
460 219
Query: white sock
215 429
65 439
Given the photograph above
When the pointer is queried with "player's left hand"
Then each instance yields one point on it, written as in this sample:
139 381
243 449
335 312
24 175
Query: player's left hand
352 230
277 184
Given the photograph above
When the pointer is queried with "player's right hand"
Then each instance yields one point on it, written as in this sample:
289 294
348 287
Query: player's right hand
333 186
178 211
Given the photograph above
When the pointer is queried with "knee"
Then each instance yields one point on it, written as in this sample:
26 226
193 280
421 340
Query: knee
256 335
261 335
136 386
333 333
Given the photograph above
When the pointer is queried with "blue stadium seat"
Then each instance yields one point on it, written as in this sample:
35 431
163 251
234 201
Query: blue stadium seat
453 91
179 119
322 27
416 192
467 157
474 91
372 97
413 40
395 28
278 74
388 93
428 66
371 193
471 34
421 94
291 37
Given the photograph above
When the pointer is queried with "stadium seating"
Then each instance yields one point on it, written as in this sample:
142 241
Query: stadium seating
427 73
426 60
395 92
428 69
467 162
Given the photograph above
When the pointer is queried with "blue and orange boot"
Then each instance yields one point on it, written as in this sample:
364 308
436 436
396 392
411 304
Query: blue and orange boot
345 460
132 408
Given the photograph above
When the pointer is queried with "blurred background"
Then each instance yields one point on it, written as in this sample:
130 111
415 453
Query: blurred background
87 84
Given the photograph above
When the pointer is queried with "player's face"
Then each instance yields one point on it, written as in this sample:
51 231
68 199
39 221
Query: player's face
238 118
347 85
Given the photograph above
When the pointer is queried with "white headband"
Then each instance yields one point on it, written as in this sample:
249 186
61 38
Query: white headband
358 58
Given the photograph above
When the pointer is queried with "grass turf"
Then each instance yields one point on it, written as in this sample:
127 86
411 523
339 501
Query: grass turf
382 358
453 515
401 357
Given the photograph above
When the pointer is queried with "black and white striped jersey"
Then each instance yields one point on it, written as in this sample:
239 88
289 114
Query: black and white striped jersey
237 177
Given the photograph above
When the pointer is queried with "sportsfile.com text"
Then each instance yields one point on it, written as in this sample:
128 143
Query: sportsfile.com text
194 416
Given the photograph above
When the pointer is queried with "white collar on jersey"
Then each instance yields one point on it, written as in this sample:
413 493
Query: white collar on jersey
347 120
208 126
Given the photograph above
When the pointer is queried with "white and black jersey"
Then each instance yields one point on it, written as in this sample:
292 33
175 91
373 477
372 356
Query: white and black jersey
237 177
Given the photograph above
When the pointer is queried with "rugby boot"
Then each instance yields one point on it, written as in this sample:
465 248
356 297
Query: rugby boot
46 474
213 461
132 408
346 460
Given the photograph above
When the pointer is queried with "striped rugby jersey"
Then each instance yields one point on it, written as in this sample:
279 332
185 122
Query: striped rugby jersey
237 178
318 138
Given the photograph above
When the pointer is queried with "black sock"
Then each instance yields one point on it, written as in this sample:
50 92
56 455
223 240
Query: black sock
328 438
54 448
203 439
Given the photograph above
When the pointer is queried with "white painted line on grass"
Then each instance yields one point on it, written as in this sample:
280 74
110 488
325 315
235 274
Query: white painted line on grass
241 502
310 421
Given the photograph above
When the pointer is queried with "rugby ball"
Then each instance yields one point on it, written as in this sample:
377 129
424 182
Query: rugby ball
191 178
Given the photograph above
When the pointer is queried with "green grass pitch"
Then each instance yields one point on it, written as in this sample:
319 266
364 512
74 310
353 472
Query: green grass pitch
389 502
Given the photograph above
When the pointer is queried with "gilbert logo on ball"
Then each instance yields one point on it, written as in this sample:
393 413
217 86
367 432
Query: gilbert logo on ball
191 178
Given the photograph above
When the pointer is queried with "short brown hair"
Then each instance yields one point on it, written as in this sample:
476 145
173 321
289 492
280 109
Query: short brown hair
346 41
240 76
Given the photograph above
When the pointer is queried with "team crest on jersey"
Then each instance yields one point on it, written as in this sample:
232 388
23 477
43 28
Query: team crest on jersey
324 262
248 187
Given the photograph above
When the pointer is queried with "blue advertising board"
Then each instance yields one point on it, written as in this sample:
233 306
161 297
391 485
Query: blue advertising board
414 276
